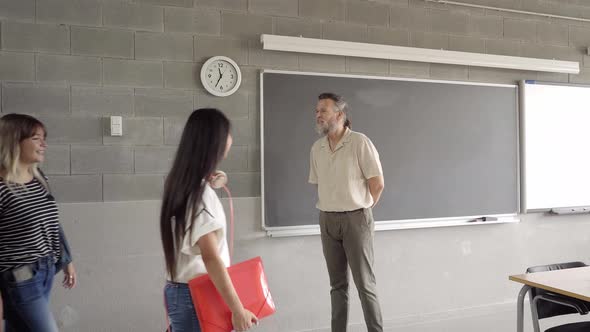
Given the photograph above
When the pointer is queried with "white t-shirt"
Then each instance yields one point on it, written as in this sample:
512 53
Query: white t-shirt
209 217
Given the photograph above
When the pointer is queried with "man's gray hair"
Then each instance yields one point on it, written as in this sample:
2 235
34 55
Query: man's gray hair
341 105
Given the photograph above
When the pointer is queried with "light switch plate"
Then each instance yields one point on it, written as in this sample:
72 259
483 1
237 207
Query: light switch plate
116 126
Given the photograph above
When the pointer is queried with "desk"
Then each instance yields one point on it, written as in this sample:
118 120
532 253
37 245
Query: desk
573 282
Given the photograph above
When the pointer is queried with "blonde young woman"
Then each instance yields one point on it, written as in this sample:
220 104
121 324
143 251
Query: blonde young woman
32 243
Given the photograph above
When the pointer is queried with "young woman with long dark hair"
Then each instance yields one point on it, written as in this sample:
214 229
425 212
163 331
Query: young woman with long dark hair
192 222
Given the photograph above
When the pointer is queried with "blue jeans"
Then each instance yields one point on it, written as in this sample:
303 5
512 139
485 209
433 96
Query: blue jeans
181 310
26 303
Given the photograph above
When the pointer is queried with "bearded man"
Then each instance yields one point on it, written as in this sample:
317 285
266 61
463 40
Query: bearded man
345 166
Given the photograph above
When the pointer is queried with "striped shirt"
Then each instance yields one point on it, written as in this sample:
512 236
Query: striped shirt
29 224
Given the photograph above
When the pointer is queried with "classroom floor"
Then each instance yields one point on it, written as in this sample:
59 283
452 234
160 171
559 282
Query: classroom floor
500 321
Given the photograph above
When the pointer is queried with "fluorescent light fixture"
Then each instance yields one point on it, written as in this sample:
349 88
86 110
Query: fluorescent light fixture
378 51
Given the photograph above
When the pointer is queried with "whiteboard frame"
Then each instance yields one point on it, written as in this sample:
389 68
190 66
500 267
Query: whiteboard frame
383 225
522 111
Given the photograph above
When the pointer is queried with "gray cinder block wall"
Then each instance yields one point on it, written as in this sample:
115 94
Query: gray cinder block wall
74 62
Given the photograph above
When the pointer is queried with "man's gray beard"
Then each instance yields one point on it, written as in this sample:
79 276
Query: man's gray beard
323 131
320 129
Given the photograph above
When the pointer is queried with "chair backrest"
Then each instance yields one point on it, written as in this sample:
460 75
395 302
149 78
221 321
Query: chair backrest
547 309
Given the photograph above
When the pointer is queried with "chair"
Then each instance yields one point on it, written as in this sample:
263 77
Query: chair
546 304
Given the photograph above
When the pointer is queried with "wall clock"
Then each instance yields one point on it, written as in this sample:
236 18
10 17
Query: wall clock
221 76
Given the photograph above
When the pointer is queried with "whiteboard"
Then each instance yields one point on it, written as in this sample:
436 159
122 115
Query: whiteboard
556 149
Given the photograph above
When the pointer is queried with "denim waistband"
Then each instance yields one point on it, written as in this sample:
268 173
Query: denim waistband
36 265
176 284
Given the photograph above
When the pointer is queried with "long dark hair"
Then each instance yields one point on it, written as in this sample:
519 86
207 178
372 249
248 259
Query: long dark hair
201 148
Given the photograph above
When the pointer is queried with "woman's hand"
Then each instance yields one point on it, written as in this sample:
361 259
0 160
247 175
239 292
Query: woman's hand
243 320
70 277
218 179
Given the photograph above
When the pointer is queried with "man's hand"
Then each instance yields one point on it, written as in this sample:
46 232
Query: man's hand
376 185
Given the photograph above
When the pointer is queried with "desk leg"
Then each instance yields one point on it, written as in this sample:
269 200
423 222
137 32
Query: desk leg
520 308
535 316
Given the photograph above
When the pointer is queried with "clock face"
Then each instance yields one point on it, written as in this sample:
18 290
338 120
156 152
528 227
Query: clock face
220 76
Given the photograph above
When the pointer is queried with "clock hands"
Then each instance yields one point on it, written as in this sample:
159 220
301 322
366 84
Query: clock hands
220 76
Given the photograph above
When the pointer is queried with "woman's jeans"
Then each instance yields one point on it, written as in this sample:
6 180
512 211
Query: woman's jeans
25 296
181 310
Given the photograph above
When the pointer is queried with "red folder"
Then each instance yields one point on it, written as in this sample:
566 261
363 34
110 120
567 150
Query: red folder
249 282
